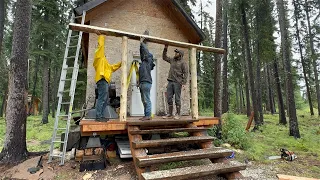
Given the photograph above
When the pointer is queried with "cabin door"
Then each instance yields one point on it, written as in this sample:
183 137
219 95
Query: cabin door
136 106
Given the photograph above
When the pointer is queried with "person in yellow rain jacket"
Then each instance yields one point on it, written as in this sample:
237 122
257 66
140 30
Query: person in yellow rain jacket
103 76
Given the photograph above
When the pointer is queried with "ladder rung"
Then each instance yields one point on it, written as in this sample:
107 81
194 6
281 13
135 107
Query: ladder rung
58 141
66 79
74 36
64 103
63 116
64 91
71 57
53 155
68 68
61 128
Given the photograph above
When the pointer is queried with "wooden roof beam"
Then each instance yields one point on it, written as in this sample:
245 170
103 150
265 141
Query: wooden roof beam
117 33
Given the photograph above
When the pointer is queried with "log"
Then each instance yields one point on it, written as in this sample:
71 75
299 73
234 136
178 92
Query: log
117 33
194 85
124 88
250 122
79 155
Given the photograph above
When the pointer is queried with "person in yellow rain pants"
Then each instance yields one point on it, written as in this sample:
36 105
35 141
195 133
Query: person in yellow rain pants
103 76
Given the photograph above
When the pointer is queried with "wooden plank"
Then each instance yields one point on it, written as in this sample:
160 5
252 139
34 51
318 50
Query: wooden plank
103 133
124 72
287 177
171 141
92 122
136 152
103 127
160 122
117 33
207 122
194 84
183 156
194 171
163 131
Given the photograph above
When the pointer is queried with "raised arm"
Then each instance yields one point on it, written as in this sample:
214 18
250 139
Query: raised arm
164 55
99 53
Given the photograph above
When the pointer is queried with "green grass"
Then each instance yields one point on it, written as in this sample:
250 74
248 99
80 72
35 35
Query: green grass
38 134
272 137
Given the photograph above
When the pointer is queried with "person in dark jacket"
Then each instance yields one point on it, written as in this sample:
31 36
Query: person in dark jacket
177 78
145 79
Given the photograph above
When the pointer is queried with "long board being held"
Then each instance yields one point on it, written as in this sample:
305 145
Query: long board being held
117 33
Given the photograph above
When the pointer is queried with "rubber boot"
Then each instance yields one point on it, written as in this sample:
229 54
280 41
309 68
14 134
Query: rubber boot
177 116
169 115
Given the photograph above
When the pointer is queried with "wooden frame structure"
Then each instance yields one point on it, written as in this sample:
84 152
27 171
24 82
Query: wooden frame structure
127 35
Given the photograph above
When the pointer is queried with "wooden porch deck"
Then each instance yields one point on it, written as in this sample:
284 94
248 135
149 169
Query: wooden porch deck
115 126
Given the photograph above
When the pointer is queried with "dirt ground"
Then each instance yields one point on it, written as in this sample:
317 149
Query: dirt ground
119 169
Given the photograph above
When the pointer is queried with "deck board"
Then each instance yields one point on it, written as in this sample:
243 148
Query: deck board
115 126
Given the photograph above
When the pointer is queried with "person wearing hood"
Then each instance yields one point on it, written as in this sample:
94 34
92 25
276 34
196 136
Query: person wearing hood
103 76
177 78
145 79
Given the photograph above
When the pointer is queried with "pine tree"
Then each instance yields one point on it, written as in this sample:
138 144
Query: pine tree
14 149
285 44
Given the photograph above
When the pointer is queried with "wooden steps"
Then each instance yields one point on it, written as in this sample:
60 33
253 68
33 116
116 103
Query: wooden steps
183 156
171 141
164 131
197 135
194 171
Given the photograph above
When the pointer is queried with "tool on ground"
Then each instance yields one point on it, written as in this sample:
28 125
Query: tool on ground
33 170
73 42
287 155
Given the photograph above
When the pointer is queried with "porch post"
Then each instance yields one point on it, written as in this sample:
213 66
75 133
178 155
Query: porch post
124 88
194 84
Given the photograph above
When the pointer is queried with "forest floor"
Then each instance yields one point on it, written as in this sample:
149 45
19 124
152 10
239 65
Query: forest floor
262 145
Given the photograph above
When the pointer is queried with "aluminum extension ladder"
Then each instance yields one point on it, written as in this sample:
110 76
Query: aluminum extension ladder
63 93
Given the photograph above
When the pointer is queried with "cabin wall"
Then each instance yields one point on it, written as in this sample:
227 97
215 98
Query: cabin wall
136 16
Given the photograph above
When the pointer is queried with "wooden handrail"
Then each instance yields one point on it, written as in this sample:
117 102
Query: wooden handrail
117 33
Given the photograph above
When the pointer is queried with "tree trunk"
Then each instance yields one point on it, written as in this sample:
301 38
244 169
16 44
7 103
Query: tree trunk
241 98
314 57
304 66
247 86
225 92
217 68
258 88
14 148
45 78
217 62
282 114
54 91
36 67
293 121
266 88
45 86
2 17
237 98
249 66
270 93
